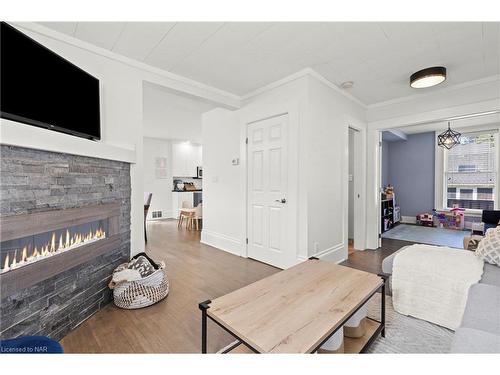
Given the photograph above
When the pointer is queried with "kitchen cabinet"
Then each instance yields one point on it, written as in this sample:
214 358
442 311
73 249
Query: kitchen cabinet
186 158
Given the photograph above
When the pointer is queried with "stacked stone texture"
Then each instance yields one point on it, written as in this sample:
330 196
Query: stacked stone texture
36 181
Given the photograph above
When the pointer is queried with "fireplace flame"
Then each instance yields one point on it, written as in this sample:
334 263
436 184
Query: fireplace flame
65 242
6 264
14 262
53 243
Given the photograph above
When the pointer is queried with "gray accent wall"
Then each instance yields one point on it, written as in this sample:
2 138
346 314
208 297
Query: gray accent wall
409 167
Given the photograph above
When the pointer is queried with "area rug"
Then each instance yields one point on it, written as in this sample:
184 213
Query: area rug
427 235
404 334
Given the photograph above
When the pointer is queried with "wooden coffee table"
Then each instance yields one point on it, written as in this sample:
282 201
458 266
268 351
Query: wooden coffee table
296 310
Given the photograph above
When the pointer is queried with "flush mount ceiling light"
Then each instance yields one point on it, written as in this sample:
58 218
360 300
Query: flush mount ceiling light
449 138
428 77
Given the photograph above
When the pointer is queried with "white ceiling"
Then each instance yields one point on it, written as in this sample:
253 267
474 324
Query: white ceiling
242 57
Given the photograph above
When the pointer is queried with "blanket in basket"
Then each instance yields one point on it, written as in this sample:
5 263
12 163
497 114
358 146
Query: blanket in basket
140 292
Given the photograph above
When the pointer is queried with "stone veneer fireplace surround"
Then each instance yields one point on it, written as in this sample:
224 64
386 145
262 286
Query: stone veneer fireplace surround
44 191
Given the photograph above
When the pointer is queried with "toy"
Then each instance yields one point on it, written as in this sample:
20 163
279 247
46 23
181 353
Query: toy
452 219
427 220
389 192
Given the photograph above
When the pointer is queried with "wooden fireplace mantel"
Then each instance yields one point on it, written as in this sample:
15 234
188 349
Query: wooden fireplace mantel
19 226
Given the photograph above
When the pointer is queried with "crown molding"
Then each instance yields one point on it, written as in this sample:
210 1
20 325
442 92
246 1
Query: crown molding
457 86
300 74
333 86
213 94
191 86
454 113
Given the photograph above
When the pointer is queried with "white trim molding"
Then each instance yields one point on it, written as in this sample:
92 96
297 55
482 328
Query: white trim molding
332 254
159 76
17 134
222 242
408 219
442 91
302 73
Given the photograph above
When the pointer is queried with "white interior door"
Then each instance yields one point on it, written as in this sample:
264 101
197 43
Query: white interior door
267 191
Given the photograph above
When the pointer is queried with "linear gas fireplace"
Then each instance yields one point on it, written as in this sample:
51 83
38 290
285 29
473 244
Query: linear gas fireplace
37 246
24 251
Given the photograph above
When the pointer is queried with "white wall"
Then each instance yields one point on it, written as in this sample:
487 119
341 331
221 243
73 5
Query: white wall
224 185
318 129
223 192
325 142
160 187
171 115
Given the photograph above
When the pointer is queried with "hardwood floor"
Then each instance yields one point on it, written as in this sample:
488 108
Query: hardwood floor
196 273
371 260
350 247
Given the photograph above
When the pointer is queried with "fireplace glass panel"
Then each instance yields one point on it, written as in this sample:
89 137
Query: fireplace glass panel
22 251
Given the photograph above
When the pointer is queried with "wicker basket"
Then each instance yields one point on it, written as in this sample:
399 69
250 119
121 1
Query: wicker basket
141 293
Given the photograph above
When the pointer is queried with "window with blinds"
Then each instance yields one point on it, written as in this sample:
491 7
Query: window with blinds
471 172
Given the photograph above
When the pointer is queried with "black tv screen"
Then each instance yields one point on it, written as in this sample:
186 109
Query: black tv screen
40 88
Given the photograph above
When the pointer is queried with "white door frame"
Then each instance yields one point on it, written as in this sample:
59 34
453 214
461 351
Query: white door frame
374 132
359 177
248 117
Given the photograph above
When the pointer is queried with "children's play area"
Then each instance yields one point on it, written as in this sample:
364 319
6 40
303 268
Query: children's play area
445 228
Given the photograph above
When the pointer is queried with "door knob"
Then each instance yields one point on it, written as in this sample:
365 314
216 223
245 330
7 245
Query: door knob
282 200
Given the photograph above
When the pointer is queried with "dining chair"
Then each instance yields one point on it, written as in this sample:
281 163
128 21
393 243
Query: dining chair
195 218
187 206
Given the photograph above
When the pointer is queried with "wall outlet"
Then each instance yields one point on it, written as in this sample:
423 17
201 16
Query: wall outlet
316 247
235 161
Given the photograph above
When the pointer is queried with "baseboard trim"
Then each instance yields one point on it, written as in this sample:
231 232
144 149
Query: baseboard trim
409 219
332 254
222 242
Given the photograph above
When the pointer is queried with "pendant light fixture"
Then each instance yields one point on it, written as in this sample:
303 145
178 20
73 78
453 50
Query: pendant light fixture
428 77
449 138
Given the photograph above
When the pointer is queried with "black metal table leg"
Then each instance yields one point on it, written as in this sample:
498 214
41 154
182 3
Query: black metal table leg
382 318
203 307
384 277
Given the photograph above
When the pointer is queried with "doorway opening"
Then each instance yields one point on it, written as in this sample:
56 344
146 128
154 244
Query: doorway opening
432 195
355 185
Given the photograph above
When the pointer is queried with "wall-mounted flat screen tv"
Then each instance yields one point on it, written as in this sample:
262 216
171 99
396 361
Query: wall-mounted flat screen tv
40 88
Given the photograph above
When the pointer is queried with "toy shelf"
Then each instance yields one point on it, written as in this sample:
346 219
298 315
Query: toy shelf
387 214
